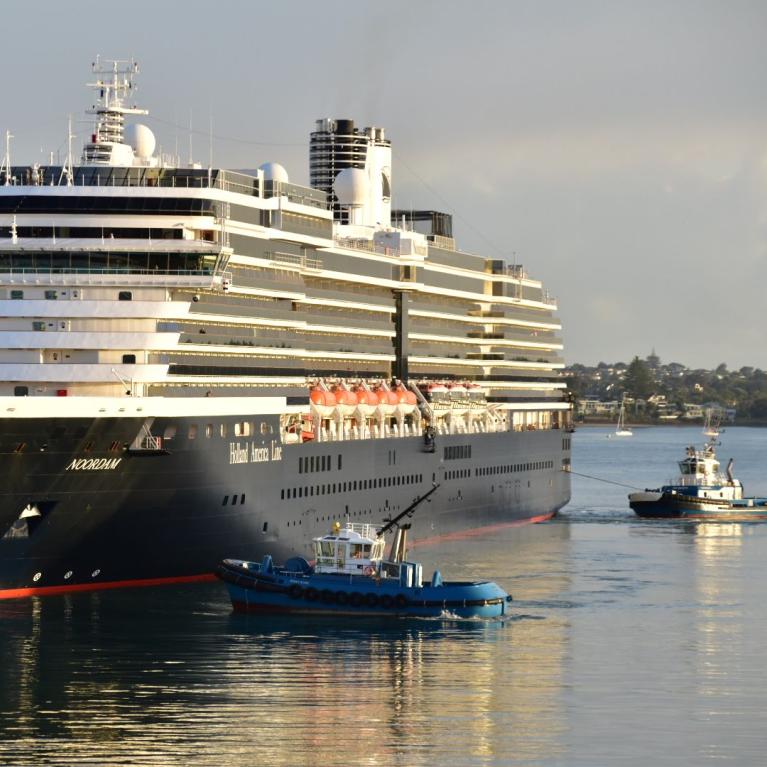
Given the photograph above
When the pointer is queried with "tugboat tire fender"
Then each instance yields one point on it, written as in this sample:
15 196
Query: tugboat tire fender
387 601
342 597
355 599
371 600
400 601
295 591
327 596
311 594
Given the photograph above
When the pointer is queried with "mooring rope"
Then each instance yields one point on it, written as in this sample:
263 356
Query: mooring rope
601 479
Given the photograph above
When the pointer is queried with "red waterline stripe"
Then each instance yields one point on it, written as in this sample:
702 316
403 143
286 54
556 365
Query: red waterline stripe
41 591
479 531
44 591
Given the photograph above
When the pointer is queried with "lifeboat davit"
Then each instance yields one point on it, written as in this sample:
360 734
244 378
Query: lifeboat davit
346 400
323 401
406 400
367 401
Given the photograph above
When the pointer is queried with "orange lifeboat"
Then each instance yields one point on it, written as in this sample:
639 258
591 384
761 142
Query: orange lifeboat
346 400
367 401
324 401
406 400
387 400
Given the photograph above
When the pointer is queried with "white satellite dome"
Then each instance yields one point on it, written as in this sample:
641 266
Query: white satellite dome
352 186
273 171
141 139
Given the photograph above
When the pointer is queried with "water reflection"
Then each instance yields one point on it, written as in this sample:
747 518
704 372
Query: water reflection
154 678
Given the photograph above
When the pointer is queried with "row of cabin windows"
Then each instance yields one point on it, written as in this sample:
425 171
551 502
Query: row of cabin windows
350 486
52 295
566 443
454 452
487 471
238 429
458 474
234 499
311 463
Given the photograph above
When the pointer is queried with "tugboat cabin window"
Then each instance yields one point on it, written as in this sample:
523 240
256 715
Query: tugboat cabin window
170 432
125 295
17 294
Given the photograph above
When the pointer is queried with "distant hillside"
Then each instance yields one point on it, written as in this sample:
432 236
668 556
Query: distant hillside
656 391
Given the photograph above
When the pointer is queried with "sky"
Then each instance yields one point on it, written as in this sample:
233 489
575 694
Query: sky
618 150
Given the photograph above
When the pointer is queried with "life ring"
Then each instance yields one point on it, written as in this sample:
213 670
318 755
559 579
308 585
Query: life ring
369 570
295 591
311 594
387 601
371 600
400 601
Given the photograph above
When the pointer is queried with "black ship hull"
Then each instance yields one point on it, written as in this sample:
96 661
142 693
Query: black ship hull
74 516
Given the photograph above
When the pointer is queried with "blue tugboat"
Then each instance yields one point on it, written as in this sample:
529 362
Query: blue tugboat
701 492
352 576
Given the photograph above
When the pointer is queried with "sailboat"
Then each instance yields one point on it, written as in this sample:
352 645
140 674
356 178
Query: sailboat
621 430
712 425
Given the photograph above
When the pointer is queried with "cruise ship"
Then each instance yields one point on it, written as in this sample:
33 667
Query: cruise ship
199 363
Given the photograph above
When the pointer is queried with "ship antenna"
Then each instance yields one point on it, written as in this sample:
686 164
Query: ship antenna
190 138
67 169
7 159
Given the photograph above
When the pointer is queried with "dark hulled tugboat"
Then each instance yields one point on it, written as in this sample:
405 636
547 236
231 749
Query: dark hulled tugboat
700 492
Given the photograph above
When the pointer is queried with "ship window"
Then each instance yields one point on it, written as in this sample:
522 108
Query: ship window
266 524
17 294
51 295
265 428
242 429
125 295
170 431
242 498
282 495
192 433
208 430
339 462
20 391
223 430
129 359
225 501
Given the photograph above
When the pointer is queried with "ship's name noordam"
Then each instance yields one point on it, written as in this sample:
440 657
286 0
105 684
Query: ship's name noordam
239 454
89 464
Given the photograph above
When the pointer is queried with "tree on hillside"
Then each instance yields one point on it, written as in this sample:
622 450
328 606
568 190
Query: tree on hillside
639 381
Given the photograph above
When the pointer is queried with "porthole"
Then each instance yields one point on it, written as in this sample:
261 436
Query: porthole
37 577
95 573
67 575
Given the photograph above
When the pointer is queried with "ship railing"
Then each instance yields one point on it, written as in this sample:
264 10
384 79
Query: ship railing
292 259
75 276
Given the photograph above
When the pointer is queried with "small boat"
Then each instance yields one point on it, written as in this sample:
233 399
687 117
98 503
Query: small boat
713 421
621 430
352 576
701 492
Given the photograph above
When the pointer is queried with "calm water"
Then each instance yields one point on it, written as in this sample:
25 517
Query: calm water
631 641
